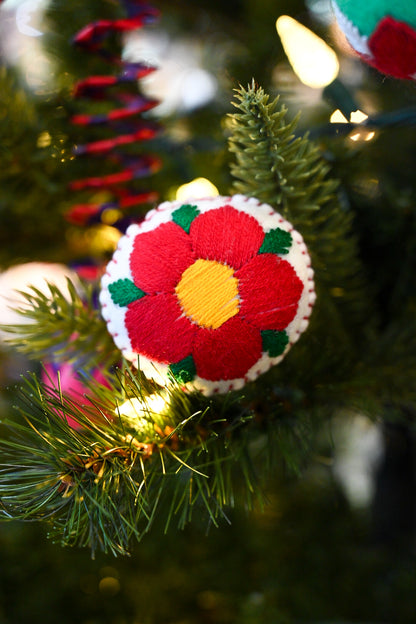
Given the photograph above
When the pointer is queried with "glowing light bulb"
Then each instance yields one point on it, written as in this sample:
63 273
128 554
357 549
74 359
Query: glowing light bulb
312 60
142 416
44 140
200 187
338 117
139 410
358 116
364 135
367 136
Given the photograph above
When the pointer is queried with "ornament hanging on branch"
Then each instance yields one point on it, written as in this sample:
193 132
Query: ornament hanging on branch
383 32
123 119
213 292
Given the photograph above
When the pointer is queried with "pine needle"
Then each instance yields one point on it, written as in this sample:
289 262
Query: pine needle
63 329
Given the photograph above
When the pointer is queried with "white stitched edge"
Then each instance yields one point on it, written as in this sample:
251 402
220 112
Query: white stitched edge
358 41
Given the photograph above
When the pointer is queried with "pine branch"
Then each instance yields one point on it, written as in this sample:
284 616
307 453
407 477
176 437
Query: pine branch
136 459
271 164
349 361
105 483
289 173
102 485
63 329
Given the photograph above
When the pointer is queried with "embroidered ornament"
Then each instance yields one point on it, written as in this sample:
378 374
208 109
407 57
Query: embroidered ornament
212 292
383 32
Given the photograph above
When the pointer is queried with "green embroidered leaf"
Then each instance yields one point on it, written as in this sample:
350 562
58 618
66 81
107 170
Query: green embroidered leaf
184 370
184 216
274 342
123 292
276 241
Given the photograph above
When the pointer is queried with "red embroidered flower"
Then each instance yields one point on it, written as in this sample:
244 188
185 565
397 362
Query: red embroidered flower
208 291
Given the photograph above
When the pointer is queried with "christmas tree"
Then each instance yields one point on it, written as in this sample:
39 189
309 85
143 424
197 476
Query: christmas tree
270 420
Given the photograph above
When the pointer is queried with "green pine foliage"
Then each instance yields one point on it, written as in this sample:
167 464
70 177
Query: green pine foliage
30 176
65 327
304 552
103 483
353 358
290 173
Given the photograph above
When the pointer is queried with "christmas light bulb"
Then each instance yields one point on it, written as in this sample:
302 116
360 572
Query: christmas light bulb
138 410
338 117
200 187
312 60
358 116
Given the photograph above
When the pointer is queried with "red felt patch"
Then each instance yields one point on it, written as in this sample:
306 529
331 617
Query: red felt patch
393 45
227 352
158 330
226 235
269 292
160 257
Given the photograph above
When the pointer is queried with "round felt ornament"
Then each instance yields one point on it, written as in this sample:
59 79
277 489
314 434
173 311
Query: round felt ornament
212 292
383 32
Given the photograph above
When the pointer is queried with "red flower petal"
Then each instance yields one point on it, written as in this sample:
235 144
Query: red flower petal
269 292
227 352
159 258
393 45
226 235
158 330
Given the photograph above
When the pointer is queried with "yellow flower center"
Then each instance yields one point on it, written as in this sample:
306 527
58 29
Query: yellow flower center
208 293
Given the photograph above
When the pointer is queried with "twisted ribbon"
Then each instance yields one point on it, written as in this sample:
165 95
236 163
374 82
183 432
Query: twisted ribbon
122 118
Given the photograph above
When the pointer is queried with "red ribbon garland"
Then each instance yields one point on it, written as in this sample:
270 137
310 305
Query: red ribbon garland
130 130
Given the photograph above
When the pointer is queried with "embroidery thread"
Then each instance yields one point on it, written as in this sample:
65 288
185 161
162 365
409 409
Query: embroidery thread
212 292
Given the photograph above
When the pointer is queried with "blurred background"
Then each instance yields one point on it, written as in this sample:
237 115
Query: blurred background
336 542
